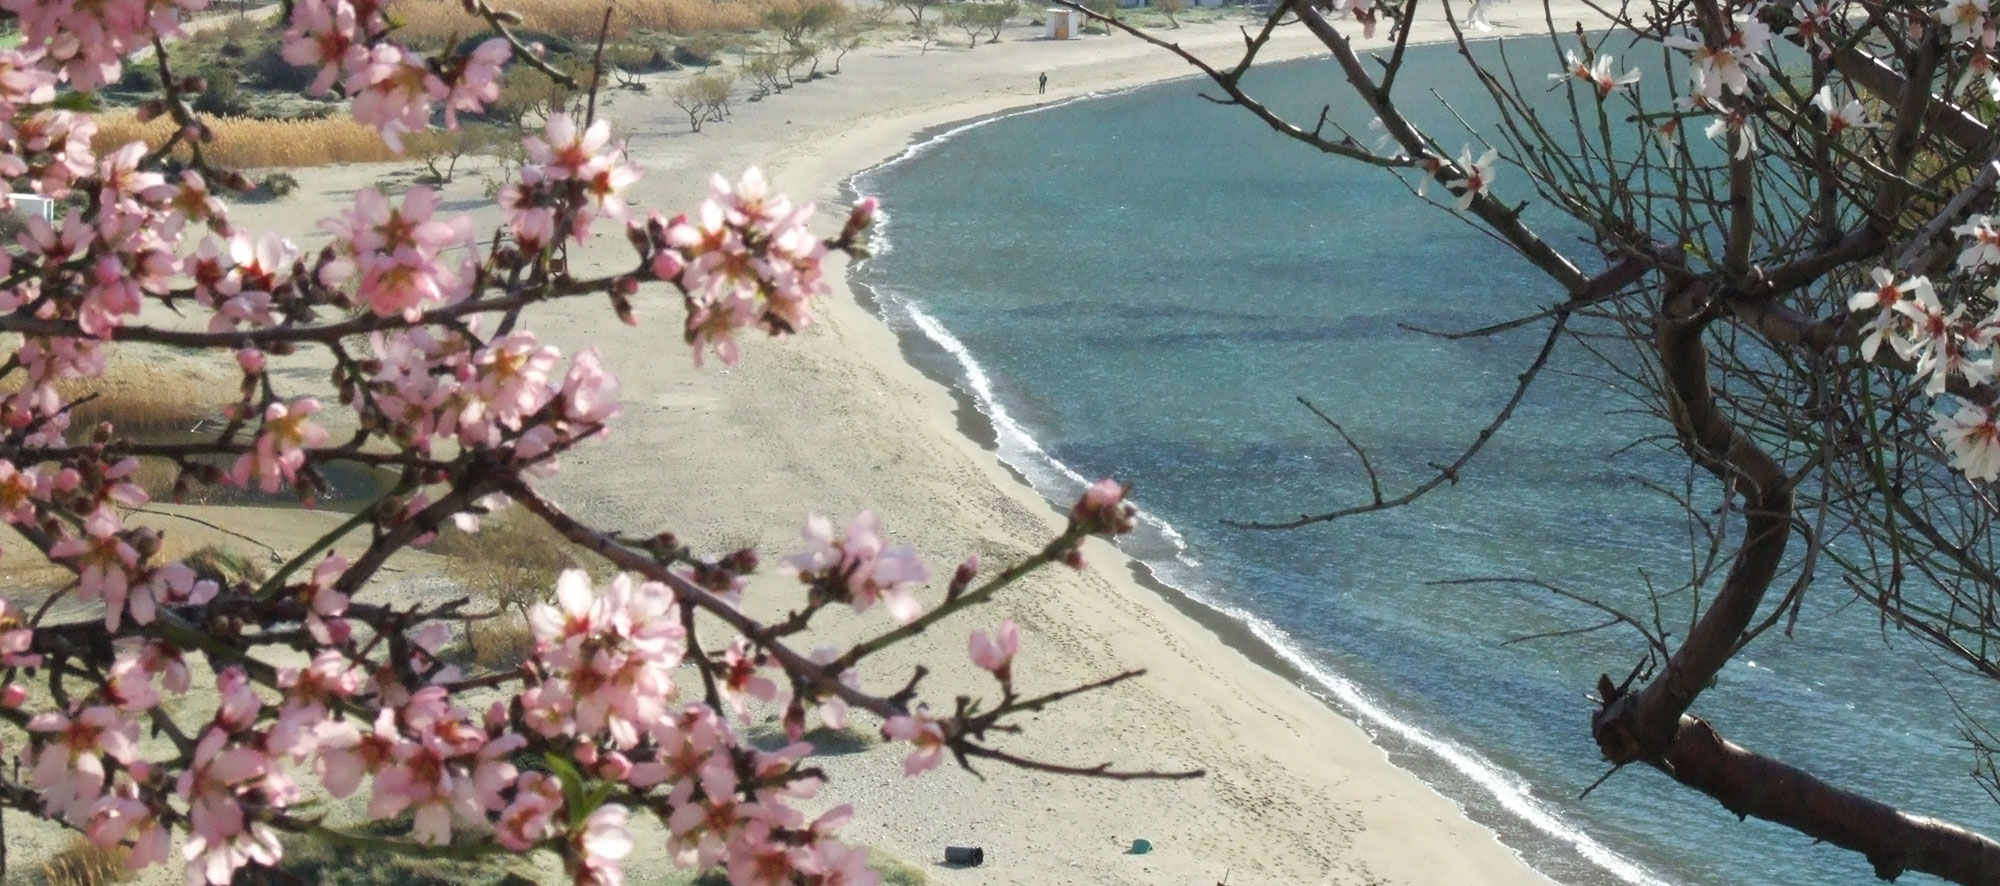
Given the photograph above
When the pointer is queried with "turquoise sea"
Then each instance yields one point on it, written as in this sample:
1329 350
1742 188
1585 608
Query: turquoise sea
1139 285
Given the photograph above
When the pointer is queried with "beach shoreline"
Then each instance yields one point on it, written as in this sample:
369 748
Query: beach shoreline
839 419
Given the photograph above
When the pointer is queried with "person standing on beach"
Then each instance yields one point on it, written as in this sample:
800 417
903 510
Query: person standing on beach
1045 81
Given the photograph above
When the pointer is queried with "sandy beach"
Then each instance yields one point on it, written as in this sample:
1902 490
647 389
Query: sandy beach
836 421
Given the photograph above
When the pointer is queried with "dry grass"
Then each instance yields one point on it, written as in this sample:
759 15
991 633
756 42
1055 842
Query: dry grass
513 560
500 643
253 143
434 22
83 864
140 394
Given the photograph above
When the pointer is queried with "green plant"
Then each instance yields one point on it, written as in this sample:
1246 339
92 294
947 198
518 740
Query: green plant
279 184
223 566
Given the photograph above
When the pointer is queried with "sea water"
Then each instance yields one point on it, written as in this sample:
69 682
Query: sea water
1141 286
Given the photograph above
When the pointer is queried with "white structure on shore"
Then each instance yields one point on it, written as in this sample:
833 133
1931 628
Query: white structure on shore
34 204
1063 24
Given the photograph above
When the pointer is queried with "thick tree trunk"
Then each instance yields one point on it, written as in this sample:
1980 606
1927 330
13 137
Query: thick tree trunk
1650 724
1749 784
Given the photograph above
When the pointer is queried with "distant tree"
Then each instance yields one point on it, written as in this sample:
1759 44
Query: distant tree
1105 11
916 9
847 37
794 20
1005 12
1171 8
927 34
766 71
979 19
703 98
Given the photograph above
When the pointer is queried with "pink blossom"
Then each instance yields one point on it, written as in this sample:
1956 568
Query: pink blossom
925 735
104 560
280 448
1888 298
1597 73
393 90
996 652
740 678
173 584
564 152
120 816
860 568
531 817
1971 437
1840 117
602 845
1103 509
16 638
69 769
477 83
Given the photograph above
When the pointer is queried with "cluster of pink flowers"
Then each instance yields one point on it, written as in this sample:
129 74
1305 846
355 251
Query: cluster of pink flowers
370 709
507 392
394 88
746 260
572 175
859 568
1943 346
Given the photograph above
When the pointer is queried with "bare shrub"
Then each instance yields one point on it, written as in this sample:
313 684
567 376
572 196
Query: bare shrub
796 20
704 98
512 560
500 643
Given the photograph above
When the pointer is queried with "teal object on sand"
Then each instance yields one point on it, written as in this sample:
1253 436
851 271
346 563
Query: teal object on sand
1141 846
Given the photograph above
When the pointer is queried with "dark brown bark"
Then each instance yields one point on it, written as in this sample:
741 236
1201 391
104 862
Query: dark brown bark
1643 725
1651 725
1749 784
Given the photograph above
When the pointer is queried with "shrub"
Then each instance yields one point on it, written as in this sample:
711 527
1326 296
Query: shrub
83 864
277 186
500 643
513 560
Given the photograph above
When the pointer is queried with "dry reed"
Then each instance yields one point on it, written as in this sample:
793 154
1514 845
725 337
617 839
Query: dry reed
254 143
434 22
83 863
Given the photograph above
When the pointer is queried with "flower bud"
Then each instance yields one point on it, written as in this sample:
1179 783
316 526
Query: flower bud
860 218
1102 509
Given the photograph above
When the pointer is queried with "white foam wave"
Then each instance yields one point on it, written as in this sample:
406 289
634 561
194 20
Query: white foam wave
1055 479
1020 449
1505 787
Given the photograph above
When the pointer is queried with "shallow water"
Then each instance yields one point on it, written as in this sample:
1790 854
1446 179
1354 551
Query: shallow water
1141 284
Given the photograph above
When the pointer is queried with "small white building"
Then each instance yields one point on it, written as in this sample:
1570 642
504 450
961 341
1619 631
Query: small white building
32 204
1063 24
